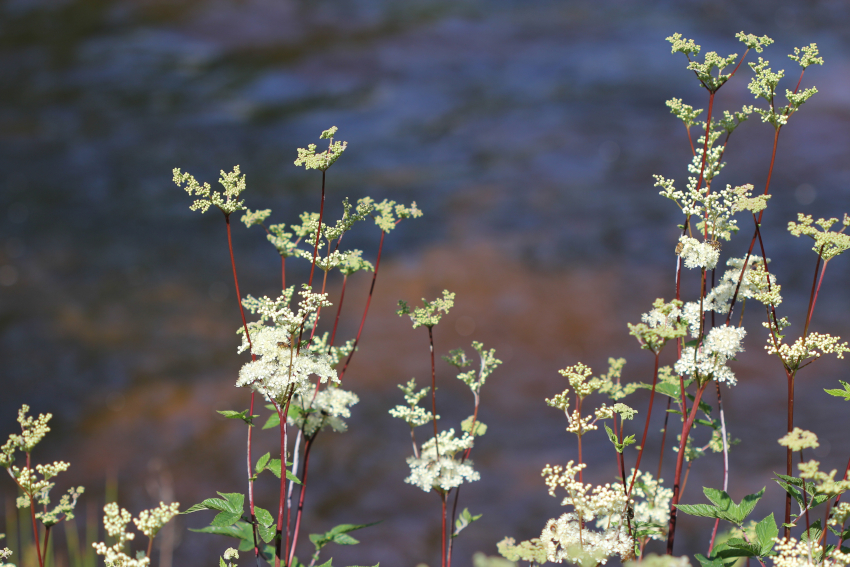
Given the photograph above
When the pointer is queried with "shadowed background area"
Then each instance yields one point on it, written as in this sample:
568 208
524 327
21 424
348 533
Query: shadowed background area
527 132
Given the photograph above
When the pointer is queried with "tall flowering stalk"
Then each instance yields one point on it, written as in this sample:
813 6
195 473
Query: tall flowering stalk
442 463
293 365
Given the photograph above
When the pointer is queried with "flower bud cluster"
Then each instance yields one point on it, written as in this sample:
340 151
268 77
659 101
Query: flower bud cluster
442 471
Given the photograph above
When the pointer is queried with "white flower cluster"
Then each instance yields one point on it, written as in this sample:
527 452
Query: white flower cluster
719 298
564 539
652 501
115 522
580 425
149 522
720 345
442 472
793 553
330 407
413 414
698 254
278 368
568 538
763 285
813 346
839 514
5 554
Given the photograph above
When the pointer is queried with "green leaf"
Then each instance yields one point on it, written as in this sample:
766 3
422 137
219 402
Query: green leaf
747 505
232 503
327 563
265 527
261 463
480 427
766 530
813 533
704 407
464 520
221 562
338 535
718 497
243 415
272 421
701 510
845 393
239 530
741 548
226 518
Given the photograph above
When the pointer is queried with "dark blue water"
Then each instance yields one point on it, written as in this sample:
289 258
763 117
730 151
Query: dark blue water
527 132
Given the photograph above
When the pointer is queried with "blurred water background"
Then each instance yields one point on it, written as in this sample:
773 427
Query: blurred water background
527 131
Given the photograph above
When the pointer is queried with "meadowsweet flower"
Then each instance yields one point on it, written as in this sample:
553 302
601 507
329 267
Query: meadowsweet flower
652 502
151 521
431 311
442 472
720 296
799 439
839 514
793 553
115 522
274 373
413 413
661 324
330 407
698 254
233 183
5 554
310 160
813 346
720 345
828 244
568 538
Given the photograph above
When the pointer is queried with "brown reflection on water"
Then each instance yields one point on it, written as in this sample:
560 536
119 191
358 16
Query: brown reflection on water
165 422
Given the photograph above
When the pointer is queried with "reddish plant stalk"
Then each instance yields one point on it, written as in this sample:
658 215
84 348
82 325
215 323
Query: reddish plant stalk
338 311
443 526
251 407
725 459
34 524
645 427
366 310
303 492
283 272
457 490
686 430
756 232
283 503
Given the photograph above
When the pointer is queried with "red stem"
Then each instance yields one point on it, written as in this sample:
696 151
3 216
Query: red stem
338 311
443 529
366 310
253 358
303 491
34 525
645 427
686 430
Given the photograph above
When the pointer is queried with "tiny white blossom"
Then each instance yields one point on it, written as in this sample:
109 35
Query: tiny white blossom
442 472
698 254
720 345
